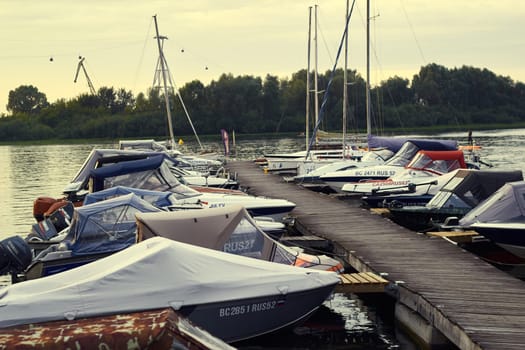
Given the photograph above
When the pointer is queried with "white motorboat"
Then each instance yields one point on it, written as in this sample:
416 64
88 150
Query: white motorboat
336 180
426 168
154 174
501 218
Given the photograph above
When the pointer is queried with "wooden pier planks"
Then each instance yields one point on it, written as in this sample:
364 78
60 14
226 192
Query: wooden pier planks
362 282
472 303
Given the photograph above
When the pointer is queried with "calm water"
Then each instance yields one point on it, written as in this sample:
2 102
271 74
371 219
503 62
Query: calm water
346 322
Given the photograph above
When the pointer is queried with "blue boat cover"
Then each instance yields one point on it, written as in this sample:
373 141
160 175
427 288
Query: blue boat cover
157 198
105 226
395 143
111 156
98 175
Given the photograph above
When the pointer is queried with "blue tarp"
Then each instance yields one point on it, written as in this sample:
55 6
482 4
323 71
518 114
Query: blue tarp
110 156
157 198
395 143
106 226
98 175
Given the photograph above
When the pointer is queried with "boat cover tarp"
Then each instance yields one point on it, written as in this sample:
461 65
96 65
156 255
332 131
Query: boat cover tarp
506 204
395 143
157 198
154 174
474 186
105 226
136 173
98 157
230 229
152 274
411 147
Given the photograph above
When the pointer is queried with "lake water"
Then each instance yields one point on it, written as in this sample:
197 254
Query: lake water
345 322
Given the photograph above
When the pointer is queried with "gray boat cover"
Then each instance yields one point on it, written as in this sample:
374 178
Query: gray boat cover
506 204
156 273
231 230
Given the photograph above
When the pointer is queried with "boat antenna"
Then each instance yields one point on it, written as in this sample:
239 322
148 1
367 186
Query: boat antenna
81 66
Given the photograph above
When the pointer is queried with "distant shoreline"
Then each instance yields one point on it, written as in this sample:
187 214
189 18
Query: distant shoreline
207 138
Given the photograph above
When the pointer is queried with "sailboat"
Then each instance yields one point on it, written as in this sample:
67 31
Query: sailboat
162 80
314 156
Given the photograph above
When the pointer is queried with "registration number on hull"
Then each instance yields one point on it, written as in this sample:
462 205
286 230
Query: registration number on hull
247 308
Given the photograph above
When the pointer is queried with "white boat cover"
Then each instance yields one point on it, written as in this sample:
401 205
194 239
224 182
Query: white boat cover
506 204
156 273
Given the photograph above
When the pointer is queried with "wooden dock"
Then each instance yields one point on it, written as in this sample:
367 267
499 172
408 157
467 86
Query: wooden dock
362 282
468 301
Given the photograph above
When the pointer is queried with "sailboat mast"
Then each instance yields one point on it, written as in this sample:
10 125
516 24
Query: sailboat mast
163 71
307 119
345 84
368 117
316 90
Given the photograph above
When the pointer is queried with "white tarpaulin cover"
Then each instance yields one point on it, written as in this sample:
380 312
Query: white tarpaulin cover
506 204
152 274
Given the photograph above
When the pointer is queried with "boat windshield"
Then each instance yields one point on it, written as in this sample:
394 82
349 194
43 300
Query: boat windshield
108 230
377 155
246 240
423 161
249 240
160 179
404 155
448 200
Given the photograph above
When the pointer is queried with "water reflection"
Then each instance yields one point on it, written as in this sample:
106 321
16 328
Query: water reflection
344 322
33 171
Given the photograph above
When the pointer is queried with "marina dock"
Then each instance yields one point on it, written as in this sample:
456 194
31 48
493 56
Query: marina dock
444 295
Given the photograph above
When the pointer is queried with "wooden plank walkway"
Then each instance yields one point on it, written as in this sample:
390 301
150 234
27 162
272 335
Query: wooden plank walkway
361 282
473 304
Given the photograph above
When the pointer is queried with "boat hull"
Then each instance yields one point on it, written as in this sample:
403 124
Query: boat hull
510 237
423 218
243 319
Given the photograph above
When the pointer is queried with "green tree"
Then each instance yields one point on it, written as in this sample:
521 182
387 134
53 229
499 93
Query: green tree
26 99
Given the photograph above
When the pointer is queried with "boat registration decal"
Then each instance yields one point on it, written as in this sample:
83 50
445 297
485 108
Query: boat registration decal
247 308
217 205
374 172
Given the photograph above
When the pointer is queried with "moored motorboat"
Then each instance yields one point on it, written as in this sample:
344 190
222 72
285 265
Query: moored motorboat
370 158
458 196
336 180
424 168
230 230
501 218
97 230
232 297
154 174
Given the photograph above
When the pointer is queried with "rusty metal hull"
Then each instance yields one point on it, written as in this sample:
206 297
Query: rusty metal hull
156 329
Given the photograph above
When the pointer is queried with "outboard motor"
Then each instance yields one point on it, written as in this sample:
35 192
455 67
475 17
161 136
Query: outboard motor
15 255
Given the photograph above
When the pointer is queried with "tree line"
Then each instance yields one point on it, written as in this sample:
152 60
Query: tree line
435 97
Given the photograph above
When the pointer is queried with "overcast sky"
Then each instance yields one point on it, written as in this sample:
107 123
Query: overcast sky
207 38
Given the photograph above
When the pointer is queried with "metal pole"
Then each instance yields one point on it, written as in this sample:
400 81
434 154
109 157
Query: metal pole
368 117
345 83
166 92
307 119
316 93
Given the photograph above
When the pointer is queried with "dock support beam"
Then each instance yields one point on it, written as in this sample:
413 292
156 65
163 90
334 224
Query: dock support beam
420 331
